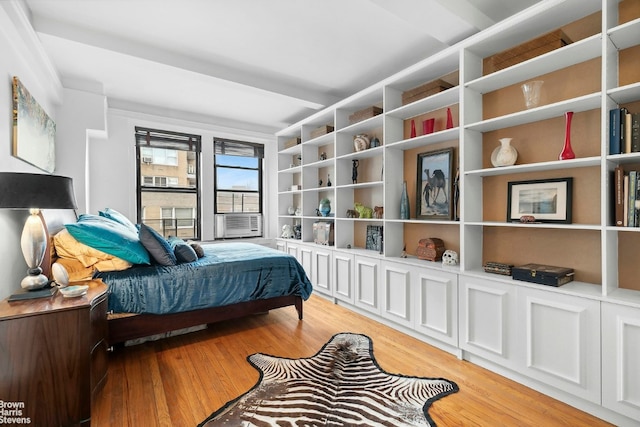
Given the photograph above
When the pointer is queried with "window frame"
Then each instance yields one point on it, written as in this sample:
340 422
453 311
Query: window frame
145 137
258 150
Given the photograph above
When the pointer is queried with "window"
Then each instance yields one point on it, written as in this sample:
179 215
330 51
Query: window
168 182
238 176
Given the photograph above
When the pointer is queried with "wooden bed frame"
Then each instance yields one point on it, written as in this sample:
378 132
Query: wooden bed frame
126 328
134 326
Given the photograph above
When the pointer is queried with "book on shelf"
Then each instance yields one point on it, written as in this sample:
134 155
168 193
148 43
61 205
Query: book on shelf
625 200
624 131
627 132
614 131
635 132
618 179
633 184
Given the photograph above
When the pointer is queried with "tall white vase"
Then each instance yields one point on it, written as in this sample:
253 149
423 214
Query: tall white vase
504 154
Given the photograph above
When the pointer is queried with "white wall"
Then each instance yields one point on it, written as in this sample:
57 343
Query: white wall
18 51
94 145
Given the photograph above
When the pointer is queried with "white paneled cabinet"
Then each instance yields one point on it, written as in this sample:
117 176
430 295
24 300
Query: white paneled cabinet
367 283
343 272
561 336
436 295
322 267
397 290
488 316
620 360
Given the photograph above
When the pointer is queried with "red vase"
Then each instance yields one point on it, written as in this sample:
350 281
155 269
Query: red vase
567 152
449 119
413 128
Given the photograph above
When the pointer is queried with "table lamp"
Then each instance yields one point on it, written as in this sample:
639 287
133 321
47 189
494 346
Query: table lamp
35 192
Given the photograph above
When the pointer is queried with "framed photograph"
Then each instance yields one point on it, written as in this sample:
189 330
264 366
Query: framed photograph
434 196
547 200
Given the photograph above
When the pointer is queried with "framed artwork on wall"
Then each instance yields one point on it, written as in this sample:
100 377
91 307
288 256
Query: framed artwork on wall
33 130
434 183
546 200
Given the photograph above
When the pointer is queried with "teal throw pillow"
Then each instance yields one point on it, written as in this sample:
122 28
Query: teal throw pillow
110 237
118 217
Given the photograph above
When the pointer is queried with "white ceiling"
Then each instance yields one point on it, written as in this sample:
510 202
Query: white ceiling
254 64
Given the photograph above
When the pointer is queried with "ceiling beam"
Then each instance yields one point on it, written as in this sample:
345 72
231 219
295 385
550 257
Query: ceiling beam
215 69
466 10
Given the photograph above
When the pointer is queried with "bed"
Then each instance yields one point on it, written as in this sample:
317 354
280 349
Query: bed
231 280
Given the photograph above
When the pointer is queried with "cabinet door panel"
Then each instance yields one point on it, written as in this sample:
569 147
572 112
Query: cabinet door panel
292 250
343 276
396 294
620 356
305 257
562 341
322 271
367 287
487 320
436 304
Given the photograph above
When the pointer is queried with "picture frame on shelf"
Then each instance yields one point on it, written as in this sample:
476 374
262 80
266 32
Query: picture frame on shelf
547 200
434 199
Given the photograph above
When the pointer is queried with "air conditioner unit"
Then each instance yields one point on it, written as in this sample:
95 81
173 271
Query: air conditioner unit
147 159
238 225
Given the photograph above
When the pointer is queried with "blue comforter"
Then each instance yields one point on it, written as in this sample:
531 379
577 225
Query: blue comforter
228 273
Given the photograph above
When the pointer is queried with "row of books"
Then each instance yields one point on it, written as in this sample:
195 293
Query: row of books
626 197
624 131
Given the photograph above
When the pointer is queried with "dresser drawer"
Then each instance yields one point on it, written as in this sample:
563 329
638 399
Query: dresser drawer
98 319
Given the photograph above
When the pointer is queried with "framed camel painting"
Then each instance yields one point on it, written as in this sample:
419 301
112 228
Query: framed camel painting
434 185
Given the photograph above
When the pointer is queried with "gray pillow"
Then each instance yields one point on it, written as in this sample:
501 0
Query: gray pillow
157 246
182 251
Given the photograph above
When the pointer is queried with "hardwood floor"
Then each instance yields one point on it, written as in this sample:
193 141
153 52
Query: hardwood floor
179 381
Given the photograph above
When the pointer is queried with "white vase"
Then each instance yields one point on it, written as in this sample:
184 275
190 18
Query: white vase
504 154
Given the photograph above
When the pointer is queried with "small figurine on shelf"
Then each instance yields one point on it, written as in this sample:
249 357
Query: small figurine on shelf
378 212
375 142
323 156
354 170
450 257
328 180
287 232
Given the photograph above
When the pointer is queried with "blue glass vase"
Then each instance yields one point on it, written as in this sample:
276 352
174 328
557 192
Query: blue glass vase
404 202
325 207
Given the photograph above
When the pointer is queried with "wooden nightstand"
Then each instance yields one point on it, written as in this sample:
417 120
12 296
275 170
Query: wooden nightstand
53 356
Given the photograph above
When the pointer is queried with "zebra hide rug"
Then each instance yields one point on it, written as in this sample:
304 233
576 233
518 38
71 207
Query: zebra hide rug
342 385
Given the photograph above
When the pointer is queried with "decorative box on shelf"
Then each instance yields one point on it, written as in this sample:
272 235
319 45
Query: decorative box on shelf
323 233
292 142
430 249
425 90
530 49
375 237
322 130
498 268
367 113
543 274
